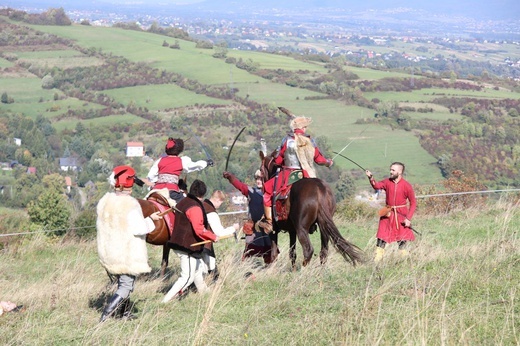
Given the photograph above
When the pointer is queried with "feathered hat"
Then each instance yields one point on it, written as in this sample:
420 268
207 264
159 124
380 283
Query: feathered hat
296 122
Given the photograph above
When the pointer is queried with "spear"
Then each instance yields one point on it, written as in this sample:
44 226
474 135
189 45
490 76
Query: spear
209 241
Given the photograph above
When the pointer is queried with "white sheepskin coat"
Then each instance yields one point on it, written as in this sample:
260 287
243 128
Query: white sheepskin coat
120 251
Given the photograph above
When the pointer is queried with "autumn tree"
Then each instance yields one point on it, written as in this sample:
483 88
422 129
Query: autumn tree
50 210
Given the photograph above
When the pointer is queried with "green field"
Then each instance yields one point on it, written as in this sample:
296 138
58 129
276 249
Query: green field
5 63
273 61
370 74
103 121
25 90
160 97
429 94
136 46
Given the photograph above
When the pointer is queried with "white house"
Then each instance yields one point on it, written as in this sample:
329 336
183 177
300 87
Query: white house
134 149
68 163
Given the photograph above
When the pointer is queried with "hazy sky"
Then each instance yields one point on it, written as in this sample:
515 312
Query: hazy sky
493 9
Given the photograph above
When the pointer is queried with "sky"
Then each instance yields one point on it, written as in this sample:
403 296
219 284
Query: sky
494 9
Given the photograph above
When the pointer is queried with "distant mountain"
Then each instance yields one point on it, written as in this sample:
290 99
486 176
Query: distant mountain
477 9
497 9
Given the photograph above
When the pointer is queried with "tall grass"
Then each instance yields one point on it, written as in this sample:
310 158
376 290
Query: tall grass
459 286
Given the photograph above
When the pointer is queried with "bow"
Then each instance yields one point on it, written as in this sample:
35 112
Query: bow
232 145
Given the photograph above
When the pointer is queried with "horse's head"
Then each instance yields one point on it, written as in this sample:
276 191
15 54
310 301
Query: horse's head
268 166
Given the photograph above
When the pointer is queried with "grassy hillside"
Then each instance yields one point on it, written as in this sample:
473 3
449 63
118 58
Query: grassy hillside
459 286
336 120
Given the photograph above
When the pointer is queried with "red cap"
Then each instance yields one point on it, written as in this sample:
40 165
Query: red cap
124 176
170 144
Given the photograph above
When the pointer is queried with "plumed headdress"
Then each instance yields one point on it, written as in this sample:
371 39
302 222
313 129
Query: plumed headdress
296 122
300 123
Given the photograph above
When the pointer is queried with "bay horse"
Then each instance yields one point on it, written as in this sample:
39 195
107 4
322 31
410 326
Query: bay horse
310 202
163 227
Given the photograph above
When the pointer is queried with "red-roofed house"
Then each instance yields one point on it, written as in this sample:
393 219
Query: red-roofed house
68 183
134 149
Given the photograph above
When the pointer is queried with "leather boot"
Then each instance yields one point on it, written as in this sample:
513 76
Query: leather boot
380 252
112 305
403 253
267 222
125 310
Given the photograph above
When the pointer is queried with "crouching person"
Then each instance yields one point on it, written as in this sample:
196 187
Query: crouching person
121 229
191 226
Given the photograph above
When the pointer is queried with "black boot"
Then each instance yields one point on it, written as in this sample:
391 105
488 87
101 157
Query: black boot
125 310
112 305
214 274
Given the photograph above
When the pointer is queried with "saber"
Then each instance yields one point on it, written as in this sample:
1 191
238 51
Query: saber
413 229
208 156
232 145
346 146
354 162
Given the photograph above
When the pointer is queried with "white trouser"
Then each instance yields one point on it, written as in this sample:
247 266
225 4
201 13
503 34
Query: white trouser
191 271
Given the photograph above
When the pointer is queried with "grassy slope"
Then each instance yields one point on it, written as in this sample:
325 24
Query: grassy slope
459 286
331 118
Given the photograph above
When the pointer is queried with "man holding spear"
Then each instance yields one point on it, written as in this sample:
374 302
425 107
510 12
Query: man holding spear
191 226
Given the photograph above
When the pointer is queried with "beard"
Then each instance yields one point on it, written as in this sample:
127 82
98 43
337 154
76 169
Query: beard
393 176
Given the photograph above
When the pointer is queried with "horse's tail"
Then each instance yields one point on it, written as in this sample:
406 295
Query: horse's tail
350 252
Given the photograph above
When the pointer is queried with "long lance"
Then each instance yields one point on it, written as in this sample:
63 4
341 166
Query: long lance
349 143
354 162
232 145
210 241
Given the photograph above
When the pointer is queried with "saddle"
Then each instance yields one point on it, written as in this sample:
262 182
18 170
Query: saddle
282 206
158 237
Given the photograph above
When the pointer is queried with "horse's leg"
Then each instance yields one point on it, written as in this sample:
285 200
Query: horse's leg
292 249
324 247
305 241
274 246
165 258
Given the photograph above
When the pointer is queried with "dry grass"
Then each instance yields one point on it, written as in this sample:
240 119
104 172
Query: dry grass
459 286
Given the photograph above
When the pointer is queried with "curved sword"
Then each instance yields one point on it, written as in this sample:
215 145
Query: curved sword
232 145
208 156
354 162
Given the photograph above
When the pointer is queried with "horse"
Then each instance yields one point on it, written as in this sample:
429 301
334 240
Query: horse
310 203
161 234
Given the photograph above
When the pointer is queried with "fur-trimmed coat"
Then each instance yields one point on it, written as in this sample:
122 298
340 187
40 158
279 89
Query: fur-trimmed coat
119 218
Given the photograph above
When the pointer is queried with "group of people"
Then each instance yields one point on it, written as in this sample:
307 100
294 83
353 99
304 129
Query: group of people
122 228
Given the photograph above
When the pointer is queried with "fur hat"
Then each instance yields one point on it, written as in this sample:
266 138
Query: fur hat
299 122
122 177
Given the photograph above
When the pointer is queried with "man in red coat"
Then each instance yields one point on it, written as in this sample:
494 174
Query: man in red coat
298 151
395 219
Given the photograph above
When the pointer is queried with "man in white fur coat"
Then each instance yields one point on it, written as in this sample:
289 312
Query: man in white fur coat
121 238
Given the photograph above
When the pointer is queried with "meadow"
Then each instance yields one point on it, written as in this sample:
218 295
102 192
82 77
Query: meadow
458 286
